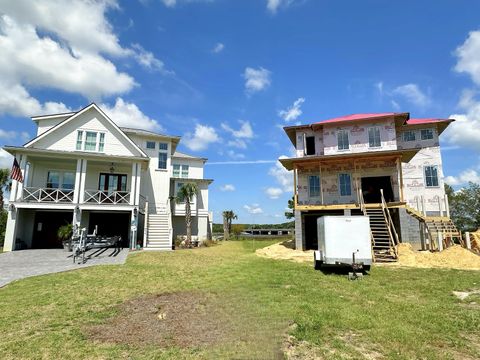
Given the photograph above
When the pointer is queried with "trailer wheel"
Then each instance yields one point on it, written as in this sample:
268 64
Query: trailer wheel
317 264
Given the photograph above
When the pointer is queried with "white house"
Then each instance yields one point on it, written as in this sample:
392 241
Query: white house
82 168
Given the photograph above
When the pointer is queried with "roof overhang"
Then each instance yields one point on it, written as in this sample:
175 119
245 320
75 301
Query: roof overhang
441 124
193 180
58 154
404 155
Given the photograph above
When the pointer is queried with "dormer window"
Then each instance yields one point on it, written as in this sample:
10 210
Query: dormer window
90 141
342 140
409 135
426 134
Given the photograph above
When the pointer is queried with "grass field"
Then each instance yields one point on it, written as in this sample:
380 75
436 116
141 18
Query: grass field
247 309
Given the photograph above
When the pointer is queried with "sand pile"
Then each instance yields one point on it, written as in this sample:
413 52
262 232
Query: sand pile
454 257
285 251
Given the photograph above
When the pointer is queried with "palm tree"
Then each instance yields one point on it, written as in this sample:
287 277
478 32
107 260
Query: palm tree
186 193
4 184
228 216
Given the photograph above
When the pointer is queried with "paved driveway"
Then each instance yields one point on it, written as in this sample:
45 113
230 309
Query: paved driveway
20 264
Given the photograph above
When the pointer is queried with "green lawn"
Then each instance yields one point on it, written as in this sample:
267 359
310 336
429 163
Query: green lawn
392 313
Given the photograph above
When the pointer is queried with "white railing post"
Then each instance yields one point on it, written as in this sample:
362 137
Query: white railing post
145 226
447 205
440 241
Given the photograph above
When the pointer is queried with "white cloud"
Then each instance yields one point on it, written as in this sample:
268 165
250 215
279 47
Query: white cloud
395 105
283 177
245 131
173 3
129 115
203 136
149 61
273 192
253 209
218 48
274 5
6 160
11 135
466 176
256 79
293 112
238 143
227 187
468 55
413 94
235 155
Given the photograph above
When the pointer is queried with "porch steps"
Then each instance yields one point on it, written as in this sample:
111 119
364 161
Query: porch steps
383 247
158 235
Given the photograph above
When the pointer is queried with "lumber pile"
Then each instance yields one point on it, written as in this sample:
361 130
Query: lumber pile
475 241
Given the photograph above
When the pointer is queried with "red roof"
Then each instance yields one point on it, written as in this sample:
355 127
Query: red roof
357 117
425 121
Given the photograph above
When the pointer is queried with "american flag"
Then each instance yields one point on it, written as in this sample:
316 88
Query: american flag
16 173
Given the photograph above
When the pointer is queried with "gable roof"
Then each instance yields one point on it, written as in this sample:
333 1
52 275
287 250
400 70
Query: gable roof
181 155
141 132
354 117
77 114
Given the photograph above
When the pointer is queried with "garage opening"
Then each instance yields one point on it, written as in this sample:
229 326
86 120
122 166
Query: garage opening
111 224
371 189
46 228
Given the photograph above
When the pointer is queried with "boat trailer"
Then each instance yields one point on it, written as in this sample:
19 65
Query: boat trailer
84 242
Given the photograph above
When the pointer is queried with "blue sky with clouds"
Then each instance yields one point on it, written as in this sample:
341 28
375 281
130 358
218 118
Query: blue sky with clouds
227 75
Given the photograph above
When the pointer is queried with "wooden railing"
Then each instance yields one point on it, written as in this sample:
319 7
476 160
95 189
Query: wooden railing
107 197
390 225
49 195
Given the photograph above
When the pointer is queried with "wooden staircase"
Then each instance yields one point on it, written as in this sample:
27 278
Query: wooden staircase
436 225
382 230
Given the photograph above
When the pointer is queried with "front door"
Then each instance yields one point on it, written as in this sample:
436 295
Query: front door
114 187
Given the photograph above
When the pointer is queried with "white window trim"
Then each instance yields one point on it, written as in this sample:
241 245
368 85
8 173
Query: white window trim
97 140
380 137
154 145
339 187
425 177
409 131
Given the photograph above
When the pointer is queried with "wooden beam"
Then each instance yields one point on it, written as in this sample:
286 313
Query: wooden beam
400 174
321 186
295 187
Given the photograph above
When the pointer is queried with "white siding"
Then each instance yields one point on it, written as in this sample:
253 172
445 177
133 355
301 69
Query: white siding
64 138
46 124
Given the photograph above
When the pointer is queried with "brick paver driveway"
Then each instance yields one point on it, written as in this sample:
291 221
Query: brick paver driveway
17 265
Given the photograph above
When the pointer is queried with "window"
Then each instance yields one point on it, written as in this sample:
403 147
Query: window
53 180
314 185
431 176
90 141
60 180
163 146
68 182
181 199
426 134
79 140
310 145
342 138
408 135
176 170
150 144
162 160
112 182
374 137
344 184
180 171
101 142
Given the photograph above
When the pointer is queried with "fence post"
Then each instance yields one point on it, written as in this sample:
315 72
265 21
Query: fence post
467 240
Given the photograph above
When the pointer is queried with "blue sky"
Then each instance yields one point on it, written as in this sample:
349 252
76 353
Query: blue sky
226 75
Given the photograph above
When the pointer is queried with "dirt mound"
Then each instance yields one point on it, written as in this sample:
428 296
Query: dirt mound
285 251
183 319
454 257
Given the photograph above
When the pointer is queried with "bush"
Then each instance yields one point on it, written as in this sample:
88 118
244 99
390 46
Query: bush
3 226
209 243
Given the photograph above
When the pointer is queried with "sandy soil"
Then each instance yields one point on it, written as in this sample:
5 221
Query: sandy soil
455 257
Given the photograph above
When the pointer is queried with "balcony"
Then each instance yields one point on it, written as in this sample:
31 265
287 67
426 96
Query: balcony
107 197
47 195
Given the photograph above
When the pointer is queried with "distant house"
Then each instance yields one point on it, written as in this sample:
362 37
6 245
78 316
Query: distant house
387 166
83 169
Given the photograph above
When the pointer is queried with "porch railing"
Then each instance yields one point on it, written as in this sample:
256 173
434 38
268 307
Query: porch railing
34 194
107 197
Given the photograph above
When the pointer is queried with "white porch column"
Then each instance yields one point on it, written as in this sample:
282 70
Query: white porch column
137 189
11 230
78 175
135 184
83 178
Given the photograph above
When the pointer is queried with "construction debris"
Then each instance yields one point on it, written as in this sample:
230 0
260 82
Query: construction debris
285 251
475 241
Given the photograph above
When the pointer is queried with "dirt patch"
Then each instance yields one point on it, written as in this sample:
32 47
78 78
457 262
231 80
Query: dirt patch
454 257
285 251
183 319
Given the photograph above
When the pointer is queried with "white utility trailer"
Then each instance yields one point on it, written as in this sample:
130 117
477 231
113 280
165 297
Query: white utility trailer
344 240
